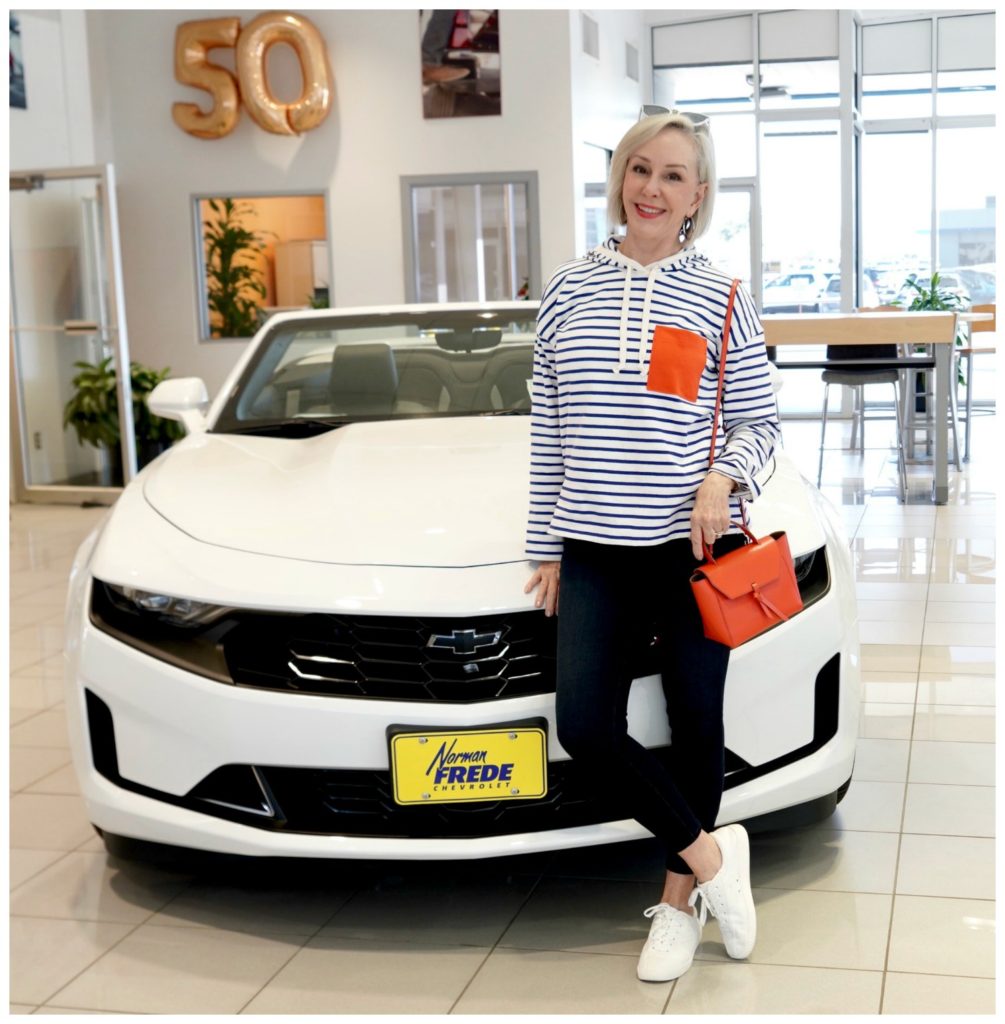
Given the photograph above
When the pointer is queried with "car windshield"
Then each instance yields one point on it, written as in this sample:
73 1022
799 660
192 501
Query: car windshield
314 373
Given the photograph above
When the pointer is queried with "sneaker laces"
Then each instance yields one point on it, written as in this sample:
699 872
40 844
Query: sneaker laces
668 920
692 901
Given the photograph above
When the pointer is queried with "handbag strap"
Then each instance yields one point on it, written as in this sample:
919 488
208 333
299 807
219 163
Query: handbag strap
751 539
722 367
728 323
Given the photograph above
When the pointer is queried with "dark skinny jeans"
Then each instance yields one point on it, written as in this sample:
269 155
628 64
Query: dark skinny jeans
611 599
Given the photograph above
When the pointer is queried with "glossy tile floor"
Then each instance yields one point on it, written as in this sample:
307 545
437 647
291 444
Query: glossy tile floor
886 907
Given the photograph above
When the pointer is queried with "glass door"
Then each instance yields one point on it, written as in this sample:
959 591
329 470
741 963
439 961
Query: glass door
66 307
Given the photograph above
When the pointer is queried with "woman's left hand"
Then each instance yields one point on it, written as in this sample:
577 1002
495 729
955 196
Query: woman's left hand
710 515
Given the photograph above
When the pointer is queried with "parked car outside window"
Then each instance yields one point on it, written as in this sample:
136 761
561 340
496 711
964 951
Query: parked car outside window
797 292
830 297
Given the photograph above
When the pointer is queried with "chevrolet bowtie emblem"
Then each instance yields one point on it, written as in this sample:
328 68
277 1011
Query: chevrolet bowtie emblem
463 641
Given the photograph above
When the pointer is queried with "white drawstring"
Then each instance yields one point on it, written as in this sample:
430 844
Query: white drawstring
626 299
602 252
644 336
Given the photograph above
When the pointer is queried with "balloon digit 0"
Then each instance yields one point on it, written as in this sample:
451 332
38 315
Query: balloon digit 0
311 107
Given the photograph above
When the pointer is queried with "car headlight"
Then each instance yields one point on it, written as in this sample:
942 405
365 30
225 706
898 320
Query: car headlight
179 611
812 575
803 564
186 633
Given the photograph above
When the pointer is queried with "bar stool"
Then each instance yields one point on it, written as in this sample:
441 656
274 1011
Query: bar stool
974 348
908 421
857 377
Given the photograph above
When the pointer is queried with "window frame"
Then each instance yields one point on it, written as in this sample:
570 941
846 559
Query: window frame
199 242
410 229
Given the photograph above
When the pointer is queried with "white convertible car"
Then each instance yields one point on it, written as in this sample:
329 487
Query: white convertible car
302 631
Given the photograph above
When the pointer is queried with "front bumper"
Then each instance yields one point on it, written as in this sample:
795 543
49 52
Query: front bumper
790 733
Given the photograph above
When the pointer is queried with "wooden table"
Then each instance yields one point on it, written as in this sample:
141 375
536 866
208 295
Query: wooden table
882 328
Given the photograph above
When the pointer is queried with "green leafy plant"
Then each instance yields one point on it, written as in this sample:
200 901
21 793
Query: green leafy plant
933 298
233 281
93 411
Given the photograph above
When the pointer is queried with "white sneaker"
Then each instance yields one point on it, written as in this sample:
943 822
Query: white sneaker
728 894
673 939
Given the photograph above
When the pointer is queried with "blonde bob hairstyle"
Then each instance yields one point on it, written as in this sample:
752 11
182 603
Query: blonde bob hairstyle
638 135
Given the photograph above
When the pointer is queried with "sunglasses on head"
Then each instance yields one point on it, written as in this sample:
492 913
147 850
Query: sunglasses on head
698 120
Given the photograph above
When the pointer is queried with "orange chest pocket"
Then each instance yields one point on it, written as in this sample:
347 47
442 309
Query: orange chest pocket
676 363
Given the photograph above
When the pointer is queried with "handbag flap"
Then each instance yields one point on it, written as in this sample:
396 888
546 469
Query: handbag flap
733 574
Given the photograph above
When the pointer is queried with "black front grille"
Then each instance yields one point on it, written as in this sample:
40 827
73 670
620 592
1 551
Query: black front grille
413 659
360 803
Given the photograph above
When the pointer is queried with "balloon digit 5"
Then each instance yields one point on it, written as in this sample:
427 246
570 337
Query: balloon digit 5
192 41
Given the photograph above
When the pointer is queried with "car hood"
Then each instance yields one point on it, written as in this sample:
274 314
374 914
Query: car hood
430 492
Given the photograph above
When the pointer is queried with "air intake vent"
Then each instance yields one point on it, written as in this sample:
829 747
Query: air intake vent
631 62
591 36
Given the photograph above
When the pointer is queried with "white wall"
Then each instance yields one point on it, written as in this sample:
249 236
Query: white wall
374 134
56 129
605 101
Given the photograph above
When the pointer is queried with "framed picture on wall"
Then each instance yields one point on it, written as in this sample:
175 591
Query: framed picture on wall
18 97
460 63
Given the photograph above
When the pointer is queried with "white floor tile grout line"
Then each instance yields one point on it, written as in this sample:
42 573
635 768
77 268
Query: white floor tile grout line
903 809
272 977
100 956
500 937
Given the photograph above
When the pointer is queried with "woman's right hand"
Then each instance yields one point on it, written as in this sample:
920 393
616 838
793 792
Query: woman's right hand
545 577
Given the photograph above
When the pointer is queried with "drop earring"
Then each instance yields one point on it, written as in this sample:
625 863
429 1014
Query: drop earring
685 230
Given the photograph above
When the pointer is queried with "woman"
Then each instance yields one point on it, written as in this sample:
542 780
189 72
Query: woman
622 499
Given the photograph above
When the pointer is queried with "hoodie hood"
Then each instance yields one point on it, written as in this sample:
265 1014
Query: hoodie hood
609 253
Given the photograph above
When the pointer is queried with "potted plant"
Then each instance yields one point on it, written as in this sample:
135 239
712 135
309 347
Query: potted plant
93 412
233 282
934 298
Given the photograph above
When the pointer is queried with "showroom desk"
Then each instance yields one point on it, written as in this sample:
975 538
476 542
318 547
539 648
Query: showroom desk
882 328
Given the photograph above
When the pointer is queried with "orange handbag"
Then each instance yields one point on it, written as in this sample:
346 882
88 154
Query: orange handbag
749 590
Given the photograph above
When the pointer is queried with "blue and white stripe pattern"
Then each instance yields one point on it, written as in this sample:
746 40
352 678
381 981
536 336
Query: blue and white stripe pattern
612 462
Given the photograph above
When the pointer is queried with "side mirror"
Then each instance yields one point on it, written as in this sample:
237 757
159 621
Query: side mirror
184 399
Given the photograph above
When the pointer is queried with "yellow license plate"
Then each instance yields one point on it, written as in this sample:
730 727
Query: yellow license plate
508 763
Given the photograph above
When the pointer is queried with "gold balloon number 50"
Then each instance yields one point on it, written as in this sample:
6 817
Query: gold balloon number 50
193 41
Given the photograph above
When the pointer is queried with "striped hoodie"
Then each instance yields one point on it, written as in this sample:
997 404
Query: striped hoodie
615 463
